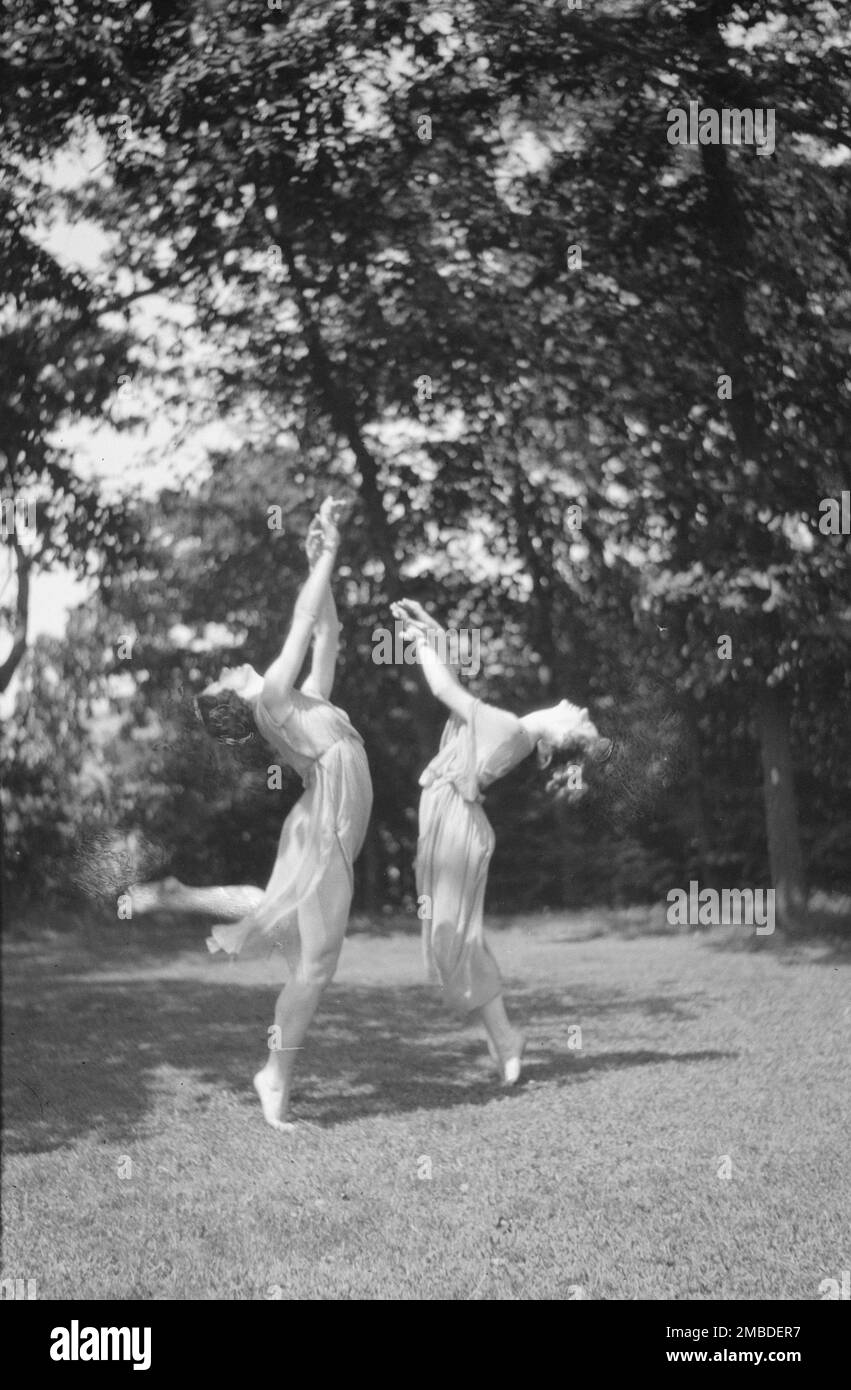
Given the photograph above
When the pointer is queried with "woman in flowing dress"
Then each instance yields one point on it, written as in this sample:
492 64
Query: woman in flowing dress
304 909
480 744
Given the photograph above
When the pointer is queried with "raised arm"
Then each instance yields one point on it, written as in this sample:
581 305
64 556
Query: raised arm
326 632
427 633
279 680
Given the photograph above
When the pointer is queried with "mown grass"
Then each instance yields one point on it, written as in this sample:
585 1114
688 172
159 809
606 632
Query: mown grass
138 1165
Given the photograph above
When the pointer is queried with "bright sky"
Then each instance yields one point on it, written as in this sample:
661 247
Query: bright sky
143 459
124 461
134 460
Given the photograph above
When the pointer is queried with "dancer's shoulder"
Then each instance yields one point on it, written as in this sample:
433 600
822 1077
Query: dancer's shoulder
274 709
493 719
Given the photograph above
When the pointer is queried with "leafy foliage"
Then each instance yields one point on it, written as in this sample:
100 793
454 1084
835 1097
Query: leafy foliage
373 214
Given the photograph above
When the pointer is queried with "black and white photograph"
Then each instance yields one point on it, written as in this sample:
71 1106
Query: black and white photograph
425 621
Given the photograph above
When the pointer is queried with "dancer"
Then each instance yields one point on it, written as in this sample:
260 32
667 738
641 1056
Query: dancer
480 744
304 908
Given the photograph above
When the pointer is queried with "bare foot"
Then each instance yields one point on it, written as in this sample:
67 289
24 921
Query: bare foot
511 1062
508 1064
155 897
273 1102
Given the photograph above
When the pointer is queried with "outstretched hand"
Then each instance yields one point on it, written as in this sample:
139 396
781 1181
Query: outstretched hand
407 610
324 530
332 512
416 623
411 630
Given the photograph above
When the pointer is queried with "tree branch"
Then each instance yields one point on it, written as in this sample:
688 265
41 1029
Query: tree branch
22 609
343 414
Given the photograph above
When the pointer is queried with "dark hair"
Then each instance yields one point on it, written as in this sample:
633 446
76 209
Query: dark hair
569 758
226 716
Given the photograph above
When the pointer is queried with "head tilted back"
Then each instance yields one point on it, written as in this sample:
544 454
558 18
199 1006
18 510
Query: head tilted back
566 780
226 715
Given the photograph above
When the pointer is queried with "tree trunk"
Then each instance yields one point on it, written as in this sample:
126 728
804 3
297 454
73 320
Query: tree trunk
334 392
731 231
697 801
21 620
781 811
541 571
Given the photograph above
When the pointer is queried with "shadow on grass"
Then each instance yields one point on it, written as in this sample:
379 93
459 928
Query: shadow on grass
90 1055
814 947
821 935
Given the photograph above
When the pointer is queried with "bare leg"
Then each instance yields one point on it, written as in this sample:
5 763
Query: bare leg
322 921
505 1043
226 904
294 1010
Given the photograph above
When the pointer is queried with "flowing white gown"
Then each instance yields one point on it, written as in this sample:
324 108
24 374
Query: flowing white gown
456 842
321 837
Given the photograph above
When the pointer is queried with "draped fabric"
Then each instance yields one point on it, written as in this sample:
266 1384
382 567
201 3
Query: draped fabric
325 827
456 842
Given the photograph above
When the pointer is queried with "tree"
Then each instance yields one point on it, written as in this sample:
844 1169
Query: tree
459 259
709 268
59 361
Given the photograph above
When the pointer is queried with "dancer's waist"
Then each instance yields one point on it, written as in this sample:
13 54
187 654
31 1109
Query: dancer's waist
329 755
469 792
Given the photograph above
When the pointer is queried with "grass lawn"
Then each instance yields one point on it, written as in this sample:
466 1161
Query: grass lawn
138 1165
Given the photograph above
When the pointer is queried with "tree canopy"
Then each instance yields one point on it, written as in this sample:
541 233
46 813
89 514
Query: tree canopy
588 389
